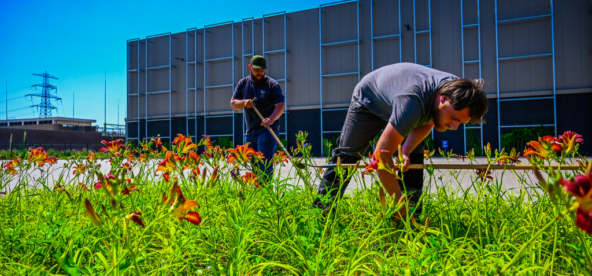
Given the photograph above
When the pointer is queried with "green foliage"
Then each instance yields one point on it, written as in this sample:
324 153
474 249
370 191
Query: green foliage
285 142
224 142
428 143
474 141
330 144
519 136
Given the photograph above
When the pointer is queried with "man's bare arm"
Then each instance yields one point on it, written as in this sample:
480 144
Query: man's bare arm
389 142
277 112
240 104
416 136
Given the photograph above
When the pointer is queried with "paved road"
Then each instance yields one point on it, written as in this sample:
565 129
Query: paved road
453 179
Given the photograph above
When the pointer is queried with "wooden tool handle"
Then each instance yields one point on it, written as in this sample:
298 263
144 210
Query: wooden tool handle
476 167
271 131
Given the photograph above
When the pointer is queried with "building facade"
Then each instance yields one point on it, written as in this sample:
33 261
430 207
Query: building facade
534 55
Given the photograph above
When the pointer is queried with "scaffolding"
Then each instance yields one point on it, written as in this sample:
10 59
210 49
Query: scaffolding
195 88
231 57
130 44
335 44
149 69
498 59
384 37
283 51
465 62
246 55
428 31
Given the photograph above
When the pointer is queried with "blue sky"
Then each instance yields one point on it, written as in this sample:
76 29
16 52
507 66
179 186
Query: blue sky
77 41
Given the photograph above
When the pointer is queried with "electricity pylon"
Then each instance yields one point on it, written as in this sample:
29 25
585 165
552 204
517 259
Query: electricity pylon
45 106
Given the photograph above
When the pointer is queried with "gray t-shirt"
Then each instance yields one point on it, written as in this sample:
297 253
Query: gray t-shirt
402 94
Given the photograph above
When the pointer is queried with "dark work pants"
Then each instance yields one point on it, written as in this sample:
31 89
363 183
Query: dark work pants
360 127
262 141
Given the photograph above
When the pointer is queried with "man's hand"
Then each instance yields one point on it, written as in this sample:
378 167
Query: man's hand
248 103
406 162
267 122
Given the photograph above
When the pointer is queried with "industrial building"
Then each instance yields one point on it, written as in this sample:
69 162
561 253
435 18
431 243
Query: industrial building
534 55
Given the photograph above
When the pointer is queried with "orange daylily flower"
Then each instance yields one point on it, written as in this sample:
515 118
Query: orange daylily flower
175 196
206 142
91 157
280 157
90 211
135 217
569 139
250 178
242 153
11 164
183 143
79 169
544 148
192 217
167 166
38 156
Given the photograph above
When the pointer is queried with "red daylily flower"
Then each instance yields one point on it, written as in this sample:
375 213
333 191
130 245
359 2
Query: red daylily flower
584 220
51 160
581 188
377 164
158 143
38 156
250 178
242 153
484 174
135 217
83 187
113 146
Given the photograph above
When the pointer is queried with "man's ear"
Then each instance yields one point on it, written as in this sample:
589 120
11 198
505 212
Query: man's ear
444 99
250 67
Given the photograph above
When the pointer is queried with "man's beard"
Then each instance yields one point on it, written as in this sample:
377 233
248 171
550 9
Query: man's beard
255 80
436 119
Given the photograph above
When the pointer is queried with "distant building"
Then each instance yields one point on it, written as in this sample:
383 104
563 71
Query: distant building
58 133
54 123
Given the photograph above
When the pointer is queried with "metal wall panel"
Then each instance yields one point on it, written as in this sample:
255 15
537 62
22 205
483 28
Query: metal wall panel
303 58
522 77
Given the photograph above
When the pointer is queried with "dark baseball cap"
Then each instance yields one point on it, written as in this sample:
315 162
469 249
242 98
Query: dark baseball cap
258 62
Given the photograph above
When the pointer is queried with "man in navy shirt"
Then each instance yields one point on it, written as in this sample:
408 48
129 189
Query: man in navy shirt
270 103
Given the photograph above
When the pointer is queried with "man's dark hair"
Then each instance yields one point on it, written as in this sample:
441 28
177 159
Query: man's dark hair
465 93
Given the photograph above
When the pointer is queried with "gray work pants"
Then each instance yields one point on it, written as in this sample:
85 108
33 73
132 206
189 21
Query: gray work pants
360 127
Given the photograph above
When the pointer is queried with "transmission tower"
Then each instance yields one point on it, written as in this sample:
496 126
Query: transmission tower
45 106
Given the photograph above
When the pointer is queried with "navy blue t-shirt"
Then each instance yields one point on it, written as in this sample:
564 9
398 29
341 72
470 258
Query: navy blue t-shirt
268 93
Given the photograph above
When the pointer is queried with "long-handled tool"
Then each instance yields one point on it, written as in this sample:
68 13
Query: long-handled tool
297 165
464 166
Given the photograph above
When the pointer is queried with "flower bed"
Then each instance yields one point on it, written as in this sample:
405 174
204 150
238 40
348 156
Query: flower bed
214 213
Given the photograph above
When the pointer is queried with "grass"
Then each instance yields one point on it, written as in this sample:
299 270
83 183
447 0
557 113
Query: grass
273 229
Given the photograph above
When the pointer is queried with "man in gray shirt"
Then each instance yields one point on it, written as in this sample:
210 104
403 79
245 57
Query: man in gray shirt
405 101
